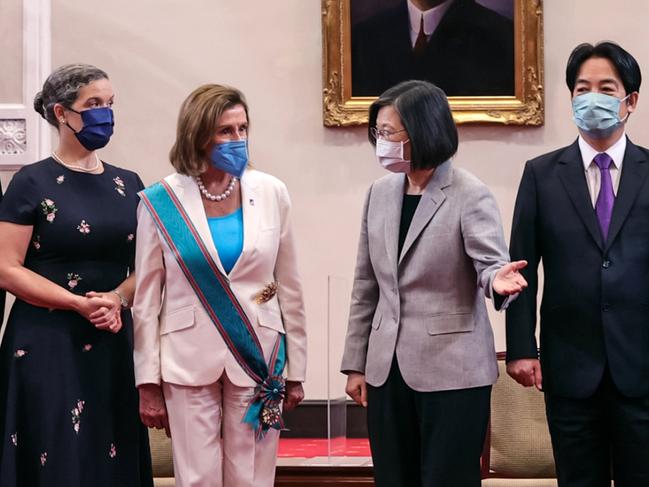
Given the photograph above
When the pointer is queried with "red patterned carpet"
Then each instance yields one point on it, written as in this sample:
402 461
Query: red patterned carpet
317 447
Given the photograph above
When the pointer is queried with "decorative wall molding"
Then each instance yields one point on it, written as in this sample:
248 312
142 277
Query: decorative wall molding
24 135
13 140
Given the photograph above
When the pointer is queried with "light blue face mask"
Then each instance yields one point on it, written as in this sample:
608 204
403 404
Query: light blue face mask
231 157
597 114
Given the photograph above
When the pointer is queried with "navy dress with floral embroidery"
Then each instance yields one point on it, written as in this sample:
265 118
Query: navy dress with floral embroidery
68 403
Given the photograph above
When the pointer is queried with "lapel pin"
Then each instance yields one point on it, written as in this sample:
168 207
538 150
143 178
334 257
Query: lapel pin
267 293
252 202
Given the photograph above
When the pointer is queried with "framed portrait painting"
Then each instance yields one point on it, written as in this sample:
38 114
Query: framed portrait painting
487 56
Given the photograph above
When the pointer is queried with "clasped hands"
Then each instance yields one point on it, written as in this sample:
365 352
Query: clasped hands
102 309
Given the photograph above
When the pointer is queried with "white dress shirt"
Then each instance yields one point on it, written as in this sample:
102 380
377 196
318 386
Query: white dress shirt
432 18
593 176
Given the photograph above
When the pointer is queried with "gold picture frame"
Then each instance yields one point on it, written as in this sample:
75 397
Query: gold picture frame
526 107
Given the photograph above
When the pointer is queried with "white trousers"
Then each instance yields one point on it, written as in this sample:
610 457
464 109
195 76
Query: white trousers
211 445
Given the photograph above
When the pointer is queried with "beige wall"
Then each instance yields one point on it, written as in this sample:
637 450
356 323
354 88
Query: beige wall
157 51
11 26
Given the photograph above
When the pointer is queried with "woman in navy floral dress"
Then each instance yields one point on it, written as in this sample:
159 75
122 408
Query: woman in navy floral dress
68 403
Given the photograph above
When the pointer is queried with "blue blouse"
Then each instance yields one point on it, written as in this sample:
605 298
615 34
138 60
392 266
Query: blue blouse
227 234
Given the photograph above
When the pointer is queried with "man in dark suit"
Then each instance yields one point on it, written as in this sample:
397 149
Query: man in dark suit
460 46
584 211
2 293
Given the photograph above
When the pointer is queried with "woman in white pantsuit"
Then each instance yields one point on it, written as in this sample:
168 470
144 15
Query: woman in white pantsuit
218 307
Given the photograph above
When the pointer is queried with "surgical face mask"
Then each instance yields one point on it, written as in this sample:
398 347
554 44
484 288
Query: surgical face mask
97 127
231 157
390 155
597 114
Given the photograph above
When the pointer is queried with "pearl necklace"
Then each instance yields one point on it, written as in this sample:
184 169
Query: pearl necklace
74 167
216 197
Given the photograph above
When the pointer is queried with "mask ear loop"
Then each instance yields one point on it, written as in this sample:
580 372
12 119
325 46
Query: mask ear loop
403 144
627 112
66 122
73 131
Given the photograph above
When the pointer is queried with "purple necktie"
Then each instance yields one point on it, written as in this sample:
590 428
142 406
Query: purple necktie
606 197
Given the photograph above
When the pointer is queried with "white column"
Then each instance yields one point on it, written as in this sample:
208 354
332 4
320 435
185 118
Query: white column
24 135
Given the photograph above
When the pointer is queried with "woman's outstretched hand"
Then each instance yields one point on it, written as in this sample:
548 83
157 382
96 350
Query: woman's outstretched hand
509 280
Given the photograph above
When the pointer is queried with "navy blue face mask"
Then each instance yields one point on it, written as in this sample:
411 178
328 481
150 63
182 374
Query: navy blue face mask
231 157
97 127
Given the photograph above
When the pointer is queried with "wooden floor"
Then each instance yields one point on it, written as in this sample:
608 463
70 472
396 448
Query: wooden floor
323 476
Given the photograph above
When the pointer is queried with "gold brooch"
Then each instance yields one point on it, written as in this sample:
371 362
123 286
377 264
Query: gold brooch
267 293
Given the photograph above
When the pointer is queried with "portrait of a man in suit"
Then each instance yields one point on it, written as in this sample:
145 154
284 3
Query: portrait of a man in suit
465 47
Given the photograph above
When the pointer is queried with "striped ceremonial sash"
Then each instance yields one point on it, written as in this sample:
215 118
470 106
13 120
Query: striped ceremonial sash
213 291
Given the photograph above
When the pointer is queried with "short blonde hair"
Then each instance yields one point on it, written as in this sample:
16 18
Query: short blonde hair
197 123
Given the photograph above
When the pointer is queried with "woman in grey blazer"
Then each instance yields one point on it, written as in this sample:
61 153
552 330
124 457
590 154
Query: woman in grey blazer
419 351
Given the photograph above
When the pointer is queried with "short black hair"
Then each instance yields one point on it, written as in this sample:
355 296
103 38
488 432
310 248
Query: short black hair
426 116
625 64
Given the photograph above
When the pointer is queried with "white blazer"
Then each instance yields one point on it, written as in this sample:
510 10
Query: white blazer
175 340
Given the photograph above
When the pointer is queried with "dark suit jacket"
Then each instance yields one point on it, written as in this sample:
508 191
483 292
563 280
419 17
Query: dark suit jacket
470 53
595 308
2 293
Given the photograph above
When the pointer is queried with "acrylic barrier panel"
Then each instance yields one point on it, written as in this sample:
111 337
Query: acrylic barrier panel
338 296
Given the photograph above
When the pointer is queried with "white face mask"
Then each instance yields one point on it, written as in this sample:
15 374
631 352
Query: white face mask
390 155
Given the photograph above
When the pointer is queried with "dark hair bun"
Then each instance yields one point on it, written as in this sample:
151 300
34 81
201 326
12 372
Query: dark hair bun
38 104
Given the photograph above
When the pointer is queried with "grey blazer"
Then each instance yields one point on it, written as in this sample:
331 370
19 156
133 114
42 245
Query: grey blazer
427 304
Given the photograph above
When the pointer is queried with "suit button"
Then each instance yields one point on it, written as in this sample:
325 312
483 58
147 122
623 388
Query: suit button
606 264
606 307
